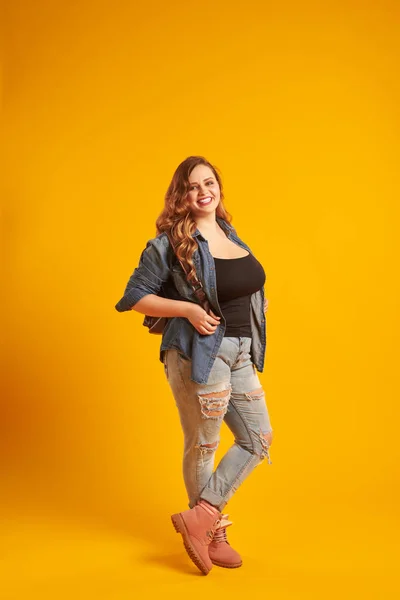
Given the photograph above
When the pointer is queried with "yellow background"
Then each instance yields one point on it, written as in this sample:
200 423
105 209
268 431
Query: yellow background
297 104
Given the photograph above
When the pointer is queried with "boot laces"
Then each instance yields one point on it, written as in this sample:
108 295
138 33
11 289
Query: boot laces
220 532
220 535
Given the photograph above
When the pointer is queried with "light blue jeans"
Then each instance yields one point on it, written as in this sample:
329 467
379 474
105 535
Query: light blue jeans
233 394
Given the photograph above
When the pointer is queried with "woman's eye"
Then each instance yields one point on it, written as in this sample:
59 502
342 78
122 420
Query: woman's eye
195 186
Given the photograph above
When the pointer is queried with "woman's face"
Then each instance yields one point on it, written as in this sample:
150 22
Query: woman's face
204 192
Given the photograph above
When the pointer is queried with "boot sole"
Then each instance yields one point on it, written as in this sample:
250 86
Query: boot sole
180 527
226 566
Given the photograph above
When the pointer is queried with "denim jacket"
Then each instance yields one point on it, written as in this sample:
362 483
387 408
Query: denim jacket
159 272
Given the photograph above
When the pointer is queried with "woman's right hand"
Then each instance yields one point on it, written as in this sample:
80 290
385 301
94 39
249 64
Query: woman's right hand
205 323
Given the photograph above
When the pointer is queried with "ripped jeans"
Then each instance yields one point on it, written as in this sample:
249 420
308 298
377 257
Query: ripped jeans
233 394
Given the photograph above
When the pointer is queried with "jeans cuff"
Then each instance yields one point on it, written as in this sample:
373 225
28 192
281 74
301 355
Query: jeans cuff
213 498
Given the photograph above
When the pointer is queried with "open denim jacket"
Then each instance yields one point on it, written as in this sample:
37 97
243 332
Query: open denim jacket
159 272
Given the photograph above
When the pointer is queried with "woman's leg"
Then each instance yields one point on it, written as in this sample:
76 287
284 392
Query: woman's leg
202 408
248 419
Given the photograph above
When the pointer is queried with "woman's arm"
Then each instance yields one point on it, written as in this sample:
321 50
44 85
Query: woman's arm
156 306
152 271
141 292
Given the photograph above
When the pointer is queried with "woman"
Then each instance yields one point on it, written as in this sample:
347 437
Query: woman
210 354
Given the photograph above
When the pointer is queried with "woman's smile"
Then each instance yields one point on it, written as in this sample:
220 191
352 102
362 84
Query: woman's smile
205 201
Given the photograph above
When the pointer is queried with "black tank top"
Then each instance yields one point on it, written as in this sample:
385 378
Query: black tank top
237 280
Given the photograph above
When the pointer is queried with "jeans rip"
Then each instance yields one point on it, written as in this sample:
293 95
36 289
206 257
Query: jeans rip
214 404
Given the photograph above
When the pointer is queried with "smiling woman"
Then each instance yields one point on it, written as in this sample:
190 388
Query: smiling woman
210 356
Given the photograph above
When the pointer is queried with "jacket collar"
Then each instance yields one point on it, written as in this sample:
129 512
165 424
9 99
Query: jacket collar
221 222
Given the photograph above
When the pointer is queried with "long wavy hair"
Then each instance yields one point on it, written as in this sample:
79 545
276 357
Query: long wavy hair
176 216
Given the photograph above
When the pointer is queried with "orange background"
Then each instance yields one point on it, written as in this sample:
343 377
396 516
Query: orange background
297 104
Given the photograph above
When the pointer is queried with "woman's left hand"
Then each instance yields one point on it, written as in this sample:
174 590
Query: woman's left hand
265 305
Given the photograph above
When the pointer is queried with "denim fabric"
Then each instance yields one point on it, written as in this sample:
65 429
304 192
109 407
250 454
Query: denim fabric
159 272
233 394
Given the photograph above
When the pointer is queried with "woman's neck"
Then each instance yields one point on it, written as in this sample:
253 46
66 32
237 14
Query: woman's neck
208 227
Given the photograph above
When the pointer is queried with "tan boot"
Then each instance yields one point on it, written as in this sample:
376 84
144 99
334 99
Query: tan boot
197 527
220 551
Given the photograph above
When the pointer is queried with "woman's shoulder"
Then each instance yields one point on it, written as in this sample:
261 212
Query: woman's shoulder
158 248
159 241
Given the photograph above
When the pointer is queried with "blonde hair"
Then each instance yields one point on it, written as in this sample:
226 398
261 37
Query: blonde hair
176 216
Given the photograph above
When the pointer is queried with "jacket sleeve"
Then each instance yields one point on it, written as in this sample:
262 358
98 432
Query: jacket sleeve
153 270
